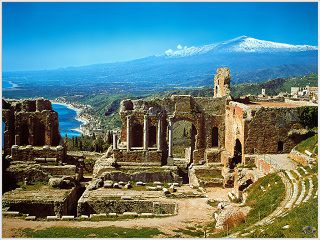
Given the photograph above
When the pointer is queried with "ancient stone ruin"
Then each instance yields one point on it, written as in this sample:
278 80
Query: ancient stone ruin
142 173
29 122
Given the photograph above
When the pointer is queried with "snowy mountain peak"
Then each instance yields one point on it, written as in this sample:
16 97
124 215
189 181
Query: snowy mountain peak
239 44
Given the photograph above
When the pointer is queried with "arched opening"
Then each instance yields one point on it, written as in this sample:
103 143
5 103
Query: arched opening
40 135
280 146
215 137
184 140
152 136
137 135
237 154
24 139
217 90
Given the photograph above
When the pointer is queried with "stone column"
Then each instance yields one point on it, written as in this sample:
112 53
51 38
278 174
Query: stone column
128 133
159 142
170 127
17 139
115 140
145 132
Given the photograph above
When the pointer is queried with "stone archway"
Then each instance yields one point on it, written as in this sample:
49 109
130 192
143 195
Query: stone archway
184 139
237 154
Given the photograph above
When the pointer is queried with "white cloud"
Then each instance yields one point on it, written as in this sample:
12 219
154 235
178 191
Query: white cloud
169 52
179 47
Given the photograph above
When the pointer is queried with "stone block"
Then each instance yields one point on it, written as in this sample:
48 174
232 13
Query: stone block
52 217
11 213
140 183
151 188
108 184
157 183
165 191
116 185
112 214
31 218
84 217
67 217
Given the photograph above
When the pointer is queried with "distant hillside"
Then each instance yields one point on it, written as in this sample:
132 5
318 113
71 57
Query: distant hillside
250 61
275 86
106 105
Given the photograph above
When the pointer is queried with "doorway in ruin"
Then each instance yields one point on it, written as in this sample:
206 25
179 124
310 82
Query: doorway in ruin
280 147
24 138
237 154
137 135
215 137
152 138
40 133
184 140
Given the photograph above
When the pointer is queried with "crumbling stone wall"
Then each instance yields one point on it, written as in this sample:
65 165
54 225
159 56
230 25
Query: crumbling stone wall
222 82
261 130
29 122
204 113
271 126
30 153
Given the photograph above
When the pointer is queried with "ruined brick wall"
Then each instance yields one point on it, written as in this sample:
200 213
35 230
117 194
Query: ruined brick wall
29 153
205 114
270 126
138 156
214 116
235 127
222 82
29 122
261 130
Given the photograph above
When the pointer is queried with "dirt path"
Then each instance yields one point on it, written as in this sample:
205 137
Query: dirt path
191 212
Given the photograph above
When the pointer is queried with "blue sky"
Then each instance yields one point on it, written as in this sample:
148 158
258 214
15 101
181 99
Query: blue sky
52 35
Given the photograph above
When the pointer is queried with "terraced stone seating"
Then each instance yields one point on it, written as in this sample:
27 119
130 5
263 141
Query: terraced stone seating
300 188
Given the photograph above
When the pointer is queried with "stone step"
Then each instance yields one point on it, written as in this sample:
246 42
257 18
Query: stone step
294 196
302 193
297 172
304 170
310 190
289 174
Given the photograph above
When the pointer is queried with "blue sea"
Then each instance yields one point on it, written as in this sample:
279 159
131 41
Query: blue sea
67 120
6 84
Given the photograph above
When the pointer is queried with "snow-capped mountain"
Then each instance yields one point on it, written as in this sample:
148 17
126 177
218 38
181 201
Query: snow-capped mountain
250 60
241 44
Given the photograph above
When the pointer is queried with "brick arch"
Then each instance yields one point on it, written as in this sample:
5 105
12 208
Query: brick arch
196 121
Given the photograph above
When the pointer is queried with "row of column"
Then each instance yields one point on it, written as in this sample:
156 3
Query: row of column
145 134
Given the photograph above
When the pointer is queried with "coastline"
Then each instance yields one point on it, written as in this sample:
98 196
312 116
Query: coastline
82 120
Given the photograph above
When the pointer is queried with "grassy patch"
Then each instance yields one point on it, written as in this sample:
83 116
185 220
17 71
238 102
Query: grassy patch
298 219
33 186
262 203
105 232
193 232
310 144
